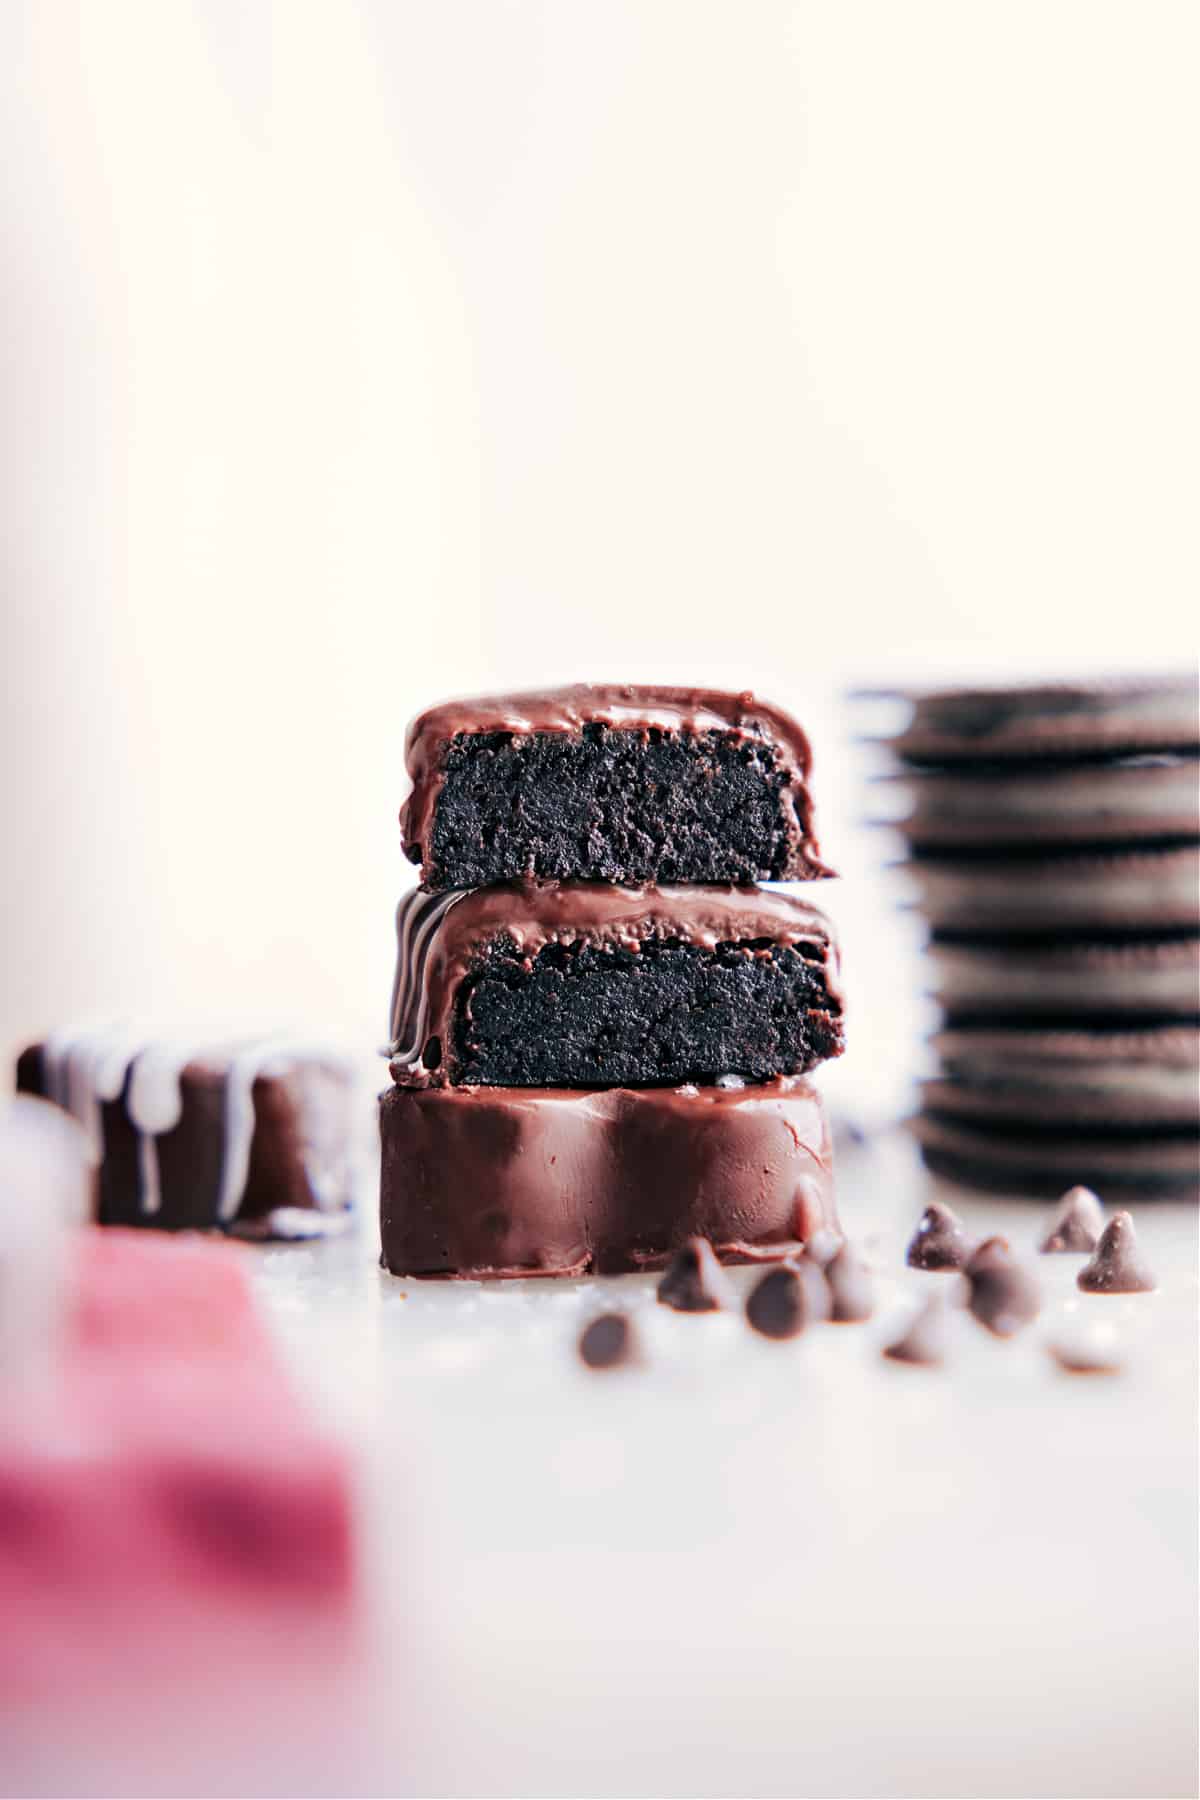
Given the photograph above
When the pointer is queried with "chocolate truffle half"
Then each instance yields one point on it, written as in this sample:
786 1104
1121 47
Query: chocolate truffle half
613 783
583 985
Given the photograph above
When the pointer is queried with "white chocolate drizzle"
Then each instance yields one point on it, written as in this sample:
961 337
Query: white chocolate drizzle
418 917
93 1065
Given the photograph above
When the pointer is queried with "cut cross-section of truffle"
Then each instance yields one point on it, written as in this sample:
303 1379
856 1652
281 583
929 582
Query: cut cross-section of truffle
578 984
598 783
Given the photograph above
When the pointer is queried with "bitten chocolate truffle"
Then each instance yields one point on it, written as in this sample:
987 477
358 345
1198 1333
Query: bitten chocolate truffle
580 984
488 1182
595 783
254 1137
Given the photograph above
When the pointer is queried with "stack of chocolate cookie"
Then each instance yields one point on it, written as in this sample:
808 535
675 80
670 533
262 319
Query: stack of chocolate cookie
601 1026
1053 836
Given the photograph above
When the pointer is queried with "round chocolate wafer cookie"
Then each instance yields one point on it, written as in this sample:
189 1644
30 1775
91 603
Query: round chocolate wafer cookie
1040 1163
1140 890
1083 718
1157 978
1031 1050
1124 801
1073 1094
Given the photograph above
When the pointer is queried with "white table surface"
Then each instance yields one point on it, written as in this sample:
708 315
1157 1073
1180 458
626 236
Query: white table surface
755 1568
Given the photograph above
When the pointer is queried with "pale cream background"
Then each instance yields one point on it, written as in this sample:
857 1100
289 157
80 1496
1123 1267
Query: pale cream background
355 353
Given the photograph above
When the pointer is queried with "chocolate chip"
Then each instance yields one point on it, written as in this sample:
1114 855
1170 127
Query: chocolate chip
939 1241
607 1341
788 1299
1076 1225
1002 1295
1117 1266
850 1287
1083 1358
695 1280
823 1246
925 1339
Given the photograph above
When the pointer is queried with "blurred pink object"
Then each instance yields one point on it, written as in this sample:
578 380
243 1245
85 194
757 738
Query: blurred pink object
168 1509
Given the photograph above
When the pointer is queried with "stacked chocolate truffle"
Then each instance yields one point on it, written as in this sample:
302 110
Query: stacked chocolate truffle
1053 835
601 1027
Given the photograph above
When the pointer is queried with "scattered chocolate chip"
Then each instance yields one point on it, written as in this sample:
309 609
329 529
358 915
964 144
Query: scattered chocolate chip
1117 1265
823 1246
788 1299
850 1288
607 1341
1001 1294
695 1281
925 1339
1076 1225
939 1241
1083 1358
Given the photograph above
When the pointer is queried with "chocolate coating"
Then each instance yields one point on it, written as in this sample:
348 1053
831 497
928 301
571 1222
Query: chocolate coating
581 984
577 782
484 1182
